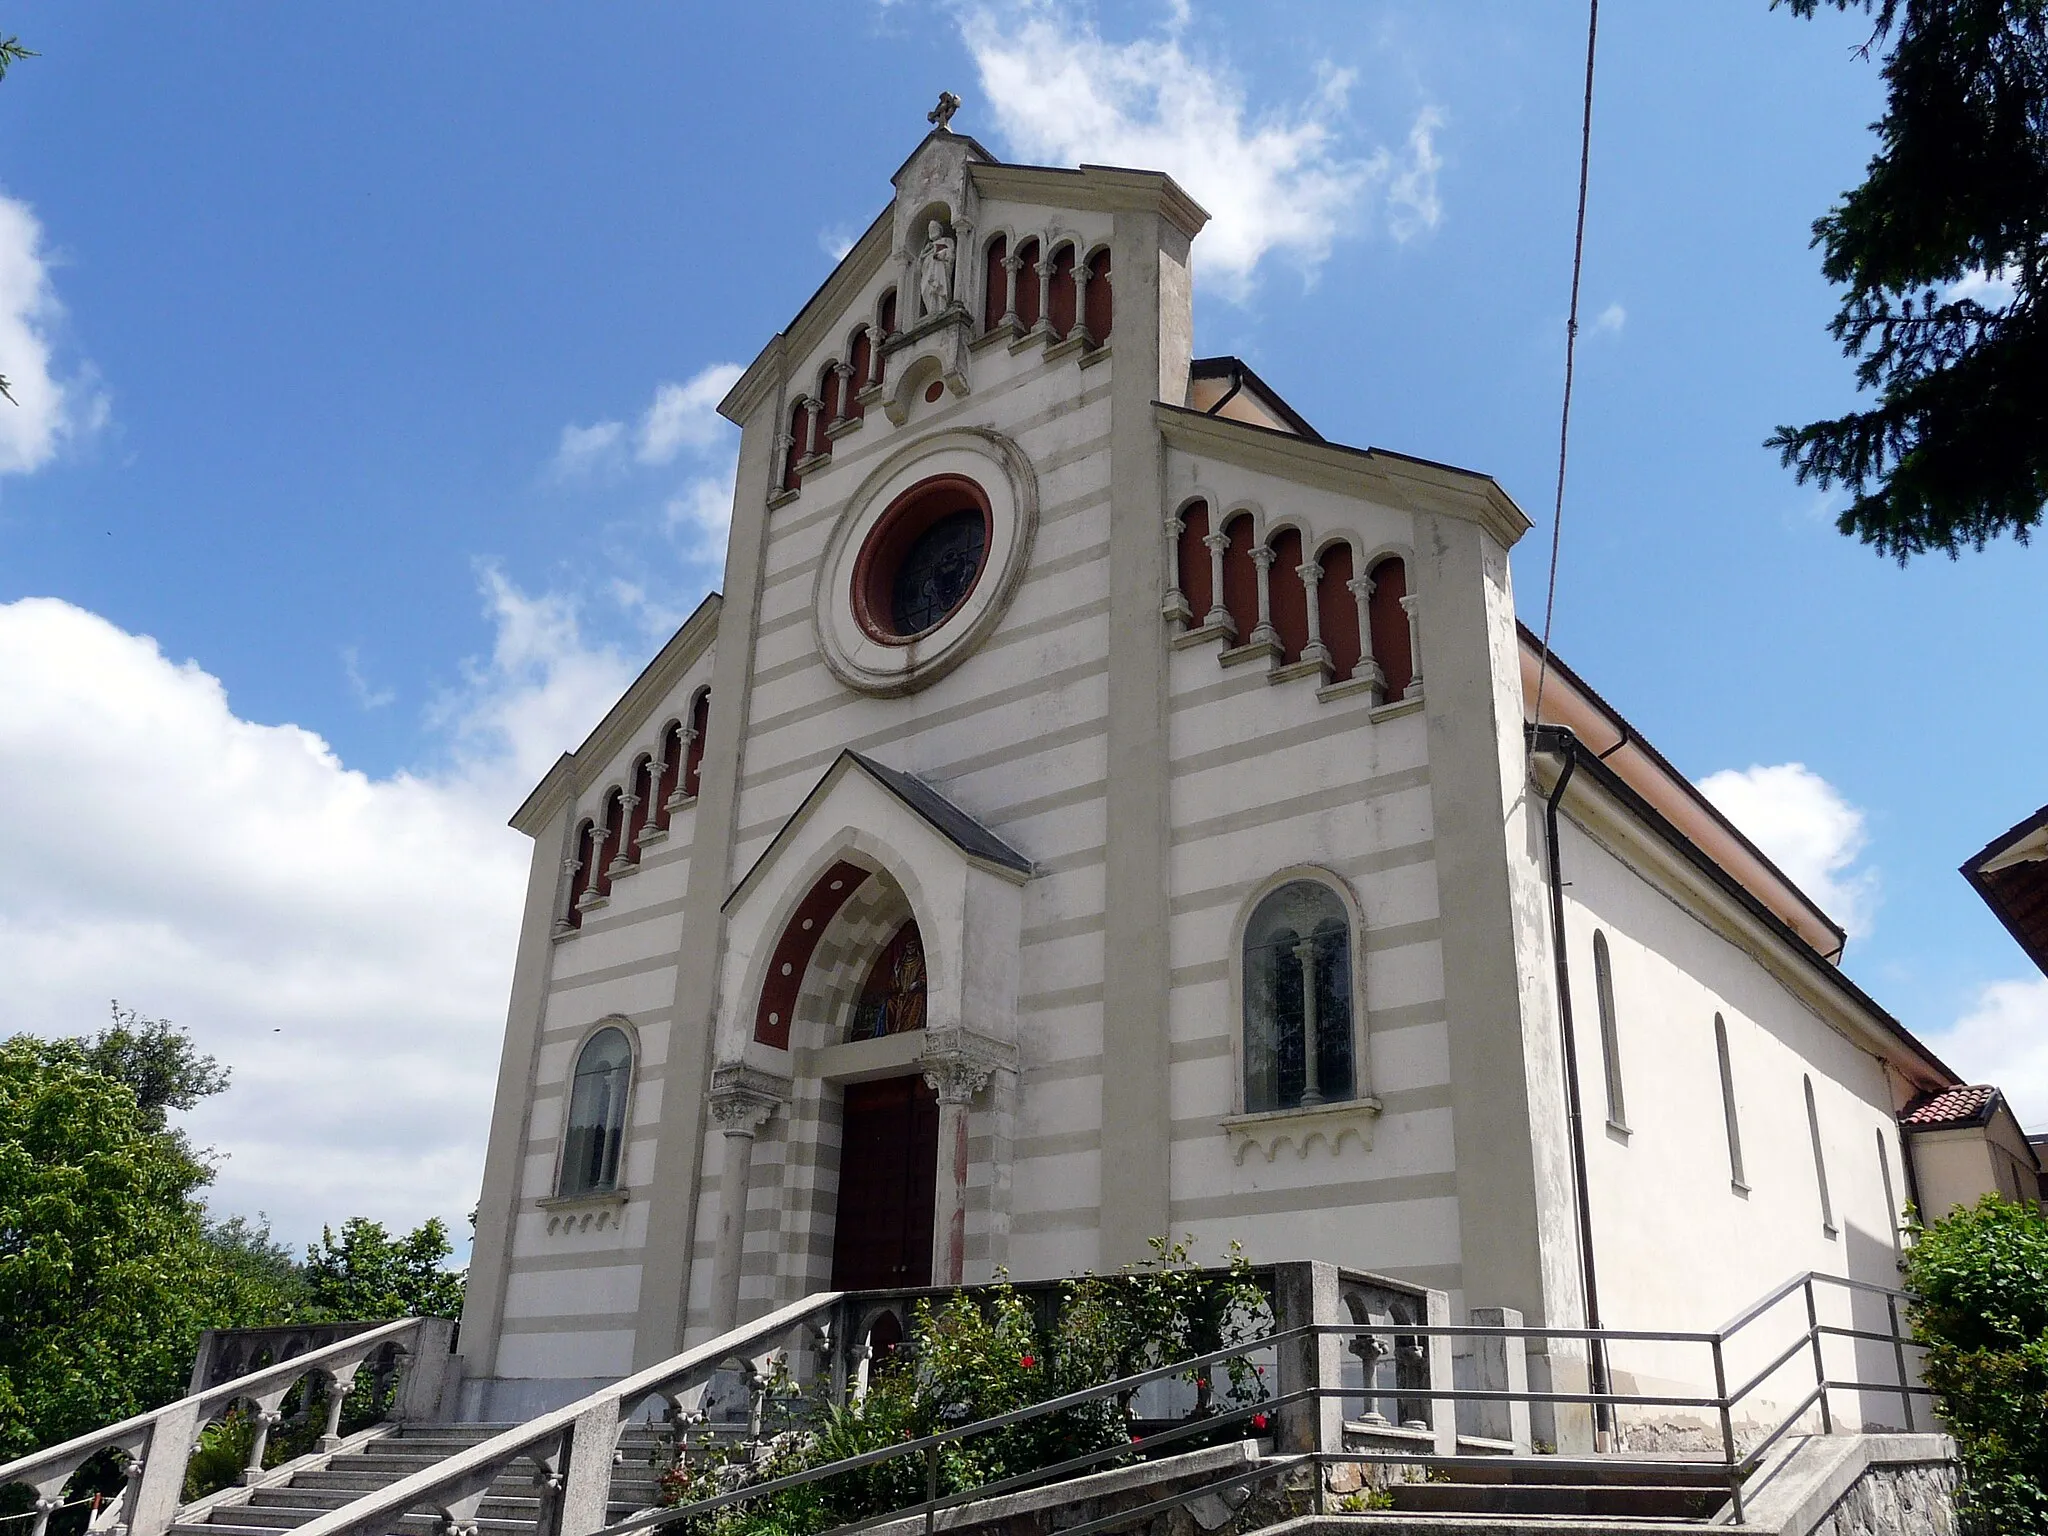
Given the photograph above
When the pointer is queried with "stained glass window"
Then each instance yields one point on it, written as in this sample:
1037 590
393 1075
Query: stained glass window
892 1002
937 571
1297 999
597 1114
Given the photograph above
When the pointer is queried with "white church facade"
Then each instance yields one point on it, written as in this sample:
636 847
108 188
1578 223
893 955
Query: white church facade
1097 808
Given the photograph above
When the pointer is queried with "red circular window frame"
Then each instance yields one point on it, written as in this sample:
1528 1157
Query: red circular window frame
900 526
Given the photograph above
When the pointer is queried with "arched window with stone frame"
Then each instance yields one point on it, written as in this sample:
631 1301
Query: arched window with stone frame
1286 597
1301 1040
859 360
1027 285
995 282
1337 608
1240 576
641 786
1194 567
672 752
799 443
579 859
594 1131
831 407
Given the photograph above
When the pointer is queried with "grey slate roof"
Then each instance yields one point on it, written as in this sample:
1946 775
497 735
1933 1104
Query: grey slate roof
959 828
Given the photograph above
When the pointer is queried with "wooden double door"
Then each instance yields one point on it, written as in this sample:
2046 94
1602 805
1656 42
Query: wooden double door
888 1179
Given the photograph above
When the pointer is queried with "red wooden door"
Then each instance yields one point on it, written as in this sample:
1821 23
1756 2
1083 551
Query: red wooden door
888 1172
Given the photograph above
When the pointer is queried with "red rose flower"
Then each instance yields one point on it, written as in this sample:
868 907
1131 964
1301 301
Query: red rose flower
1258 1421
1027 1361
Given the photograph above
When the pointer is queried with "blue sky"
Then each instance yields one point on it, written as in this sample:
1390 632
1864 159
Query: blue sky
365 449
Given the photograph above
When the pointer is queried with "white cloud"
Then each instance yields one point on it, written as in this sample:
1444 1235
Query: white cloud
584 449
1610 321
1281 181
1809 830
2003 1039
359 686
1994 290
343 942
45 411
836 241
685 415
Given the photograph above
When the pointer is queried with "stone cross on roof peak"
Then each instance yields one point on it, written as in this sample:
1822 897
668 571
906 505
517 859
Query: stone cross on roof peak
942 114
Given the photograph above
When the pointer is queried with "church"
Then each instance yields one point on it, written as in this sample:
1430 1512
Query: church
1098 807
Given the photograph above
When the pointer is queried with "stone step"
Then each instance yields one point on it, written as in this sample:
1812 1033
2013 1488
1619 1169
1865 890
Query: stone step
1608 1500
355 1482
1628 1474
247 1520
516 1506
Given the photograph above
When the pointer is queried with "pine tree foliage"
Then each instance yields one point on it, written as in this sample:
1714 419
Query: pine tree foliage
1943 251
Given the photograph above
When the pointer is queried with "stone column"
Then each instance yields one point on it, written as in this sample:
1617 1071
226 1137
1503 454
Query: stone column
591 895
1263 632
1044 271
1368 667
958 1065
564 914
1311 1055
742 1101
970 271
650 831
785 445
1218 613
1081 299
620 863
847 388
1410 606
684 737
1176 603
813 407
1311 575
1011 265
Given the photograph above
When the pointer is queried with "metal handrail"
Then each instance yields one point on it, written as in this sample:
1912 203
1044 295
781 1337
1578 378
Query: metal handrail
157 1472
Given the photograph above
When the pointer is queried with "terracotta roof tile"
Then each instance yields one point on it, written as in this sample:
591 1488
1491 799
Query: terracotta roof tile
1952 1106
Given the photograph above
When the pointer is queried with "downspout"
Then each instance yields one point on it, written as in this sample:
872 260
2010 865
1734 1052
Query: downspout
1560 741
1236 383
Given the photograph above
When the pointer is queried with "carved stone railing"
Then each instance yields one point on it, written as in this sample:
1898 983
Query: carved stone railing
158 1444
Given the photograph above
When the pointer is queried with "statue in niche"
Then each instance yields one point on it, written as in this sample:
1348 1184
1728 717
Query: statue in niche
935 269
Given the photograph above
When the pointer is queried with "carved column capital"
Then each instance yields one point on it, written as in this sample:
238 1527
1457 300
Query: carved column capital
1217 541
958 1063
744 1098
1263 556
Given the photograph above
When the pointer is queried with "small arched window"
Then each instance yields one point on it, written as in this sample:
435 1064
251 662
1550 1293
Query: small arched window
1027 285
862 358
597 1114
1060 295
1820 1163
1337 609
799 444
693 762
1240 577
892 1002
1728 1107
1297 999
1389 622
995 286
1100 310
1610 1033
828 393
1193 573
1287 597
885 318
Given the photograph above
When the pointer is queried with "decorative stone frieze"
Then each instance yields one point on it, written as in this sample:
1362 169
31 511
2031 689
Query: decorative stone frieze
1270 1130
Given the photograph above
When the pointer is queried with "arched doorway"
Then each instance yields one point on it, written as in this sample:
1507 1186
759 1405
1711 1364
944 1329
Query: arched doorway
889 1139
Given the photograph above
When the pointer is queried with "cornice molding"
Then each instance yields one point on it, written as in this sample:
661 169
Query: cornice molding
574 772
1415 485
1104 188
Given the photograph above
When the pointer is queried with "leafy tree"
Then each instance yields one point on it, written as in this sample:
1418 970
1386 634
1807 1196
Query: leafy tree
157 1060
1982 1278
367 1275
106 1274
1944 253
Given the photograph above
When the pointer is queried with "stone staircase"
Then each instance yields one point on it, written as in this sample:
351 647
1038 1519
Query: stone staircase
1526 1487
293 1494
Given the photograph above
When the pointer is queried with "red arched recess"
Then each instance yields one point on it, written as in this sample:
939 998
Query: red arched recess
671 770
1287 597
995 285
1100 311
799 445
1337 610
1061 298
885 315
700 717
579 879
1027 284
1390 626
828 392
608 848
861 358
792 955
1241 577
1194 562
643 807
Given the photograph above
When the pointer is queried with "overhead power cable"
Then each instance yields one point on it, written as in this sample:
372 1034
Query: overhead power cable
1571 343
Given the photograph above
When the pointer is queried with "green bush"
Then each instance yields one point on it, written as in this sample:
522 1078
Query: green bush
975 1357
1981 1276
